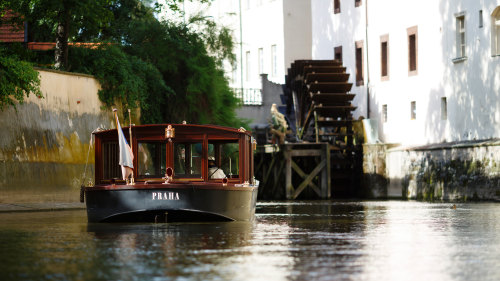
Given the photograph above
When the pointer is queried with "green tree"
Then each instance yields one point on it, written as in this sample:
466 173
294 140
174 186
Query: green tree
124 79
61 20
17 80
171 71
202 93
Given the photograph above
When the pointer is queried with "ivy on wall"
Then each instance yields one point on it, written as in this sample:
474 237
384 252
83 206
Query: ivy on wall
18 80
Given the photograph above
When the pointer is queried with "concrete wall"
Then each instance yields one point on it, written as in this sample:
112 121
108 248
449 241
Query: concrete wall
451 171
45 142
260 114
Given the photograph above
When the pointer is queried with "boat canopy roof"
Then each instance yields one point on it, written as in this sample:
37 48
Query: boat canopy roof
159 129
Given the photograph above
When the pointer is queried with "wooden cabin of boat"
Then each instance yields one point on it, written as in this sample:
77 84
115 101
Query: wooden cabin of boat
184 148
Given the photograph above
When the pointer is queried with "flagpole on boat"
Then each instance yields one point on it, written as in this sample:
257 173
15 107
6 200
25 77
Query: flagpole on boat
131 145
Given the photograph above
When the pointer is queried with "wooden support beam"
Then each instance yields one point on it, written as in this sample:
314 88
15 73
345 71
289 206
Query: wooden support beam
306 152
324 188
325 175
309 178
269 169
288 168
278 173
305 124
304 175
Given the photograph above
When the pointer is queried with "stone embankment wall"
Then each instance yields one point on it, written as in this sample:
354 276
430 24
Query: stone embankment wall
451 171
44 143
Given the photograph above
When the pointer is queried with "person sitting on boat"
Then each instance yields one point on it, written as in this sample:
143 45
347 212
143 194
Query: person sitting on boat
214 172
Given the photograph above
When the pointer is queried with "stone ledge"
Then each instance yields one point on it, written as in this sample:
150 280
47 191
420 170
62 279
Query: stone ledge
37 207
449 145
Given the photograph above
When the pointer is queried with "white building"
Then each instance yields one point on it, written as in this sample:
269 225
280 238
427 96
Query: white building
269 35
430 69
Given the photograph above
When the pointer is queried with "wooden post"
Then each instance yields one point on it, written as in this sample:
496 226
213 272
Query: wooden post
325 174
288 168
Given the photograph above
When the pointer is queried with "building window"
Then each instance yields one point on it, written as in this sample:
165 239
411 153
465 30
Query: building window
357 3
495 32
261 60
234 73
338 53
336 6
413 114
481 23
384 57
384 113
274 61
248 66
444 109
460 40
359 63
412 50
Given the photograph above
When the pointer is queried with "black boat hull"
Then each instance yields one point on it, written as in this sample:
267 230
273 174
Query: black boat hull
164 203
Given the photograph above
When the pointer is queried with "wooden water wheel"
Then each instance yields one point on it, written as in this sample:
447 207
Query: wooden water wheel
322 103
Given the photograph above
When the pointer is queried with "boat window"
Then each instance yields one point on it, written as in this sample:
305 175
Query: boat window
223 159
151 159
187 160
110 166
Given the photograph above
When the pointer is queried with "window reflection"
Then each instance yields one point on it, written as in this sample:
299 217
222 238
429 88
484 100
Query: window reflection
223 159
151 159
187 160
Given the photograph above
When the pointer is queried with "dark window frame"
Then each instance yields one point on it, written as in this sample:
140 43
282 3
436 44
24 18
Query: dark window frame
384 57
110 152
358 52
413 110
336 6
188 152
161 153
461 36
337 53
412 35
384 113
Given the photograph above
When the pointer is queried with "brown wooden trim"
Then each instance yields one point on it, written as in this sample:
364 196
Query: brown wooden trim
174 185
98 160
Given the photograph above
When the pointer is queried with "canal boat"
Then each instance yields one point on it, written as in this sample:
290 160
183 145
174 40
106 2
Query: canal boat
177 172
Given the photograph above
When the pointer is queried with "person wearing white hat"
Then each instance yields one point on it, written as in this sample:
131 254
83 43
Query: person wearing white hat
213 171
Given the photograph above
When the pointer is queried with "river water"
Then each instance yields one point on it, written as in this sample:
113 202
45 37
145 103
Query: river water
315 240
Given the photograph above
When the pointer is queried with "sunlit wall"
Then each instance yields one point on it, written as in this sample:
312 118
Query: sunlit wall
451 96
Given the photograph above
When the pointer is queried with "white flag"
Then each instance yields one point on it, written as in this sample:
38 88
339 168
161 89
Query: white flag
126 155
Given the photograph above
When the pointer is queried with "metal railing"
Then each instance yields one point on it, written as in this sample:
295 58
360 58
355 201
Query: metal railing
248 96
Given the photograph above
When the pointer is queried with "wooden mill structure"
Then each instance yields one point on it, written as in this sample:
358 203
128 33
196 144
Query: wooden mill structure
323 161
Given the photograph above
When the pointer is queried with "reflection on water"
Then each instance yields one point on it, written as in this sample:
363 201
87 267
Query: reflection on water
322 240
